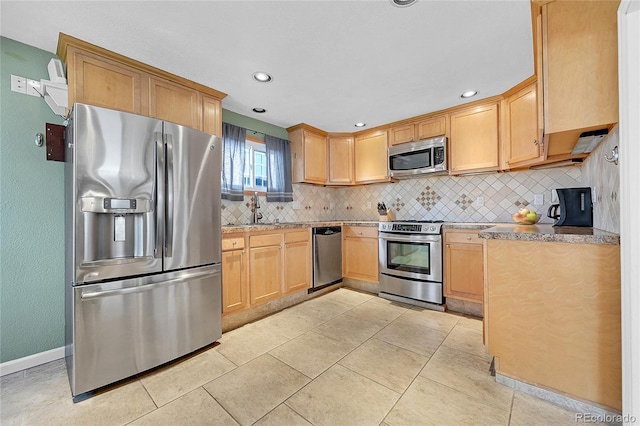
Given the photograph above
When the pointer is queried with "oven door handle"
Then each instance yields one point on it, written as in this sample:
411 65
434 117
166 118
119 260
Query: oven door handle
411 238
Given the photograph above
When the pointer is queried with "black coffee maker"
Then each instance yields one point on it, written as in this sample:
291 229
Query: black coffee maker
575 206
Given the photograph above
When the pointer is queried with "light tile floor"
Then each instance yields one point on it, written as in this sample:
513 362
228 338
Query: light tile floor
345 358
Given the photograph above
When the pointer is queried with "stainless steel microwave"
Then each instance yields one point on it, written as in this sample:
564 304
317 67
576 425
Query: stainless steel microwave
428 156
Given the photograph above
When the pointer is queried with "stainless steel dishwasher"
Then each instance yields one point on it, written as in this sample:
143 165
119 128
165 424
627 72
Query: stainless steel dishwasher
327 256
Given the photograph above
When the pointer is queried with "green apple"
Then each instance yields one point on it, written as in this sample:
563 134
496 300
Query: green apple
532 216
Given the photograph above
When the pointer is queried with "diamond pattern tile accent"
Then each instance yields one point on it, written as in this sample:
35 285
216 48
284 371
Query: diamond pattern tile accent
464 202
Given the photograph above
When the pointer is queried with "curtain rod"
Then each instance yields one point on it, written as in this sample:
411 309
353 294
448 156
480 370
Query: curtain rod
256 132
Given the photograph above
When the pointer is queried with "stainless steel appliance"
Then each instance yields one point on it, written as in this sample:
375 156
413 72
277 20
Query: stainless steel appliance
143 283
428 156
576 208
327 256
410 255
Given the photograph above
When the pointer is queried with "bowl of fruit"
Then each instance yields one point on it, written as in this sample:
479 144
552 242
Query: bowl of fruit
526 217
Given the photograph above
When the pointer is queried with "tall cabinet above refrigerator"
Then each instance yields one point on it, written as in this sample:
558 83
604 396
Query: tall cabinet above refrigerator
142 276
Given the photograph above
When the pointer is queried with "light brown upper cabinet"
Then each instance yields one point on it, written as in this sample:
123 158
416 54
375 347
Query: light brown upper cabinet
474 140
423 129
371 157
521 143
100 77
341 150
308 154
174 103
104 83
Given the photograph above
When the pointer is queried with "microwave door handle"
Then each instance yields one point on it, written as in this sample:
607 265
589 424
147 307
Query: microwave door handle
159 194
170 196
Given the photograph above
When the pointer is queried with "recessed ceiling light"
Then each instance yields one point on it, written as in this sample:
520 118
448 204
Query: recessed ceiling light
262 77
360 124
469 94
259 110
403 3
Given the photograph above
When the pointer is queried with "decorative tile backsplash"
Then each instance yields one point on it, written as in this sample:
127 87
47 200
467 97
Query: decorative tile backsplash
478 198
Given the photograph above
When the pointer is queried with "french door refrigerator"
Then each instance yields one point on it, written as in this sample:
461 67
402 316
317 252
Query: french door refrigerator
143 283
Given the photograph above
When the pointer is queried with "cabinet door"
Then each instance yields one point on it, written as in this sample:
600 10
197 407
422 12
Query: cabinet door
474 139
297 266
402 134
464 271
521 143
234 285
174 103
360 258
340 160
371 157
432 127
580 64
104 83
315 157
265 274
211 115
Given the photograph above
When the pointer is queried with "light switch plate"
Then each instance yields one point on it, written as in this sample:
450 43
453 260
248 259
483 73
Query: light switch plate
295 205
479 201
538 199
18 84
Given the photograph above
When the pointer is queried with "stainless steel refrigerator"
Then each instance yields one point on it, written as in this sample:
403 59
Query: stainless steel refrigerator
143 284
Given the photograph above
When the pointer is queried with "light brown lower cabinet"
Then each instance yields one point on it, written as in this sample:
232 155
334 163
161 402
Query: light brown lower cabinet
552 316
463 265
265 267
360 253
297 261
234 275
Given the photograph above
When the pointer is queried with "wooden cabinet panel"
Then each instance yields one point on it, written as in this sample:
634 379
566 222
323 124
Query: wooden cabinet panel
474 139
402 134
234 285
297 266
371 157
341 164
464 271
553 321
104 83
580 64
309 155
521 143
174 103
232 243
212 115
432 127
265 240
265 273
294 236
360 253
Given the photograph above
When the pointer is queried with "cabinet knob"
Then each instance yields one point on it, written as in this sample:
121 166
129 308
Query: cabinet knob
359 232
469 238
535 141
234 243
447 246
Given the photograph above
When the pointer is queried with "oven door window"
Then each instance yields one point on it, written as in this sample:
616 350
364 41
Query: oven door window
409 257
411 160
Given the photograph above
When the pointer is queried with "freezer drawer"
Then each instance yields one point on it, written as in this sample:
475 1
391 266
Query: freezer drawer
125 327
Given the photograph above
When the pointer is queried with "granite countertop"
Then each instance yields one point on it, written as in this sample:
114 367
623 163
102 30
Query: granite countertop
228 229
550 233
467 225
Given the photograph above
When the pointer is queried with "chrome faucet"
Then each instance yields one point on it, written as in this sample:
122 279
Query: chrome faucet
255 205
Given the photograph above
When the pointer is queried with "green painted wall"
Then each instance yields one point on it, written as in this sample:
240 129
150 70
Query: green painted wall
32 210
31 214
253 124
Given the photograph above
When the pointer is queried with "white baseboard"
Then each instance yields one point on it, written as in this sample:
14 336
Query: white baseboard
31 361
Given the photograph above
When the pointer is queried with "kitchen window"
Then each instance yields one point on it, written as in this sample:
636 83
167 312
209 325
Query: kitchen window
255 166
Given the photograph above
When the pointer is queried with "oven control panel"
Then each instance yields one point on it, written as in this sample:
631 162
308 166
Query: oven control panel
410 228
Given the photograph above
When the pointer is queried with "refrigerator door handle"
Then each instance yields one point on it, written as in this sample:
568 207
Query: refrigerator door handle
169 232
139 289
159 195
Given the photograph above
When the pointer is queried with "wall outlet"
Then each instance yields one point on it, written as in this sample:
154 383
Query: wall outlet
594 195
295 205
18 84
479 201
368 204
331 205
538 199
33 88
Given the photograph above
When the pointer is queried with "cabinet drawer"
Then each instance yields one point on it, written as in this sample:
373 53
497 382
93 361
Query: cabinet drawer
232 243
360 231
265 240
462 237
294 236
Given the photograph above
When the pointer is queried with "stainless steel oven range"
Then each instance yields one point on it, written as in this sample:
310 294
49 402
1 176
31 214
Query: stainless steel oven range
410 259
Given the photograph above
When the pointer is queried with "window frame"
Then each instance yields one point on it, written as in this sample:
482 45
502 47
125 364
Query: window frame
253 142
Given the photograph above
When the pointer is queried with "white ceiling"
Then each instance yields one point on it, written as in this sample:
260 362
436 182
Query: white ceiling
333 63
